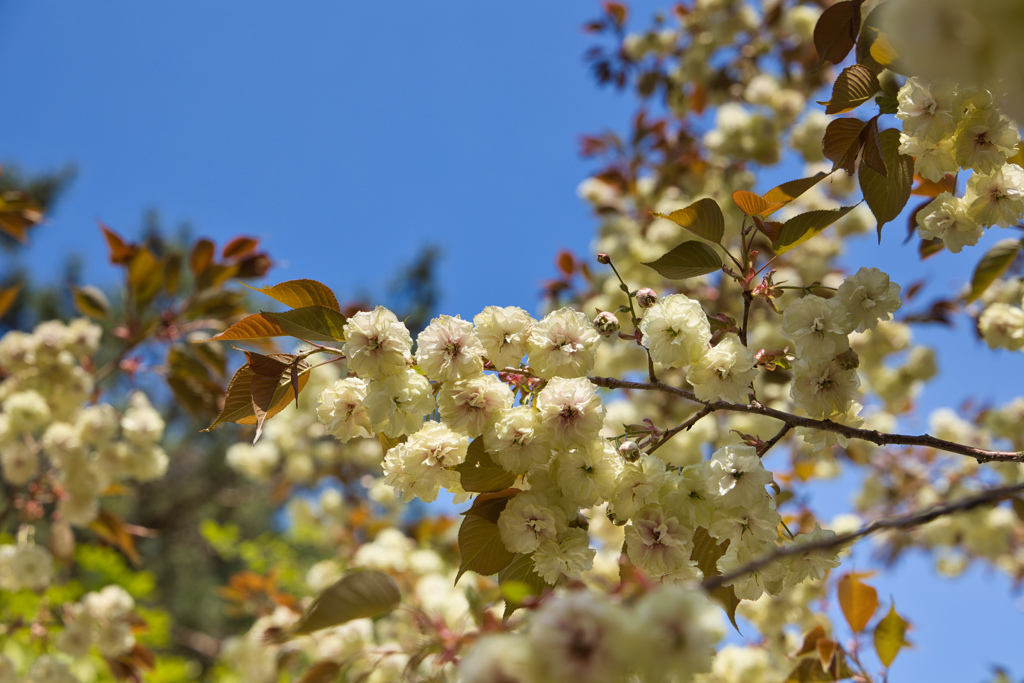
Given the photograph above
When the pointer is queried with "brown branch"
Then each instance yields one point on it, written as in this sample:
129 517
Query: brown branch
879 438
747 299
684 426
767 445
987 497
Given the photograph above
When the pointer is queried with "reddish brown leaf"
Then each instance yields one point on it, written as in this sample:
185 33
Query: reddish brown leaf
7 297
842 142
111 529
836 31
754 204
201 256
120 251
873 157
239 246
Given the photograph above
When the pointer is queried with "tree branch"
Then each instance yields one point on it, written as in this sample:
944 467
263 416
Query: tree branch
987 497
879 438
684 426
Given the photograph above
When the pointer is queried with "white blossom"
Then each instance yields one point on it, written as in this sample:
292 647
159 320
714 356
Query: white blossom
563 344
504 334
869 297
724 373
676 331
377 343
448 350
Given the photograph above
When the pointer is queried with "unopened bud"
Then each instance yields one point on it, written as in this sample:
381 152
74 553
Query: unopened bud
606 323
646 297
604 259
630 451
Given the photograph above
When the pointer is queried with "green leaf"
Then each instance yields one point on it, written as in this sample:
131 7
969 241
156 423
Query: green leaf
489 505
836 31
301 293
703 218
706 553
858 600
887 104
518 582
842 142
481 547
311 323
890 636
853 87
786 192
871 142
360 594
992 265
479 473
689 259
91 301
886 195
804 226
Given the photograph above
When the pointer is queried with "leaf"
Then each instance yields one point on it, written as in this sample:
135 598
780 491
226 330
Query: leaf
874 48
200 257
479 473
886 195
8 295
301 293
481 547
753 204
172 273
703 218
111 529
836 31
853 87
256 326
928 248
360 594
18 213
811 640
120 251
89 300
689 259
1017 503
872 147
239 246
786 192
842 142
809 670
804 226
518 582
826 651
311 323
706 553
858 600
238 405
269 375
489 505
145 276
993 264
890 636
324 671
887 104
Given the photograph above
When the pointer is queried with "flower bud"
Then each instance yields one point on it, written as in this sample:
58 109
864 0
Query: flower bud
606 323
646 297
604 259
630 451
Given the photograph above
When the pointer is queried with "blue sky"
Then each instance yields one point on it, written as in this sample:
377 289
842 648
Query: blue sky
348 135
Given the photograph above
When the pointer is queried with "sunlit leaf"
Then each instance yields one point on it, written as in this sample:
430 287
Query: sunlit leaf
120 251
887 195
874 47
890 636
842 143
301 293
89 300
826 651
783 194
200 257
18 213
256 326
703 218
689 259
858 600
360 594
754 204
804 226
145 276
993 264
479 473
836 31
706 553
311 323
854 86
238 405
481 548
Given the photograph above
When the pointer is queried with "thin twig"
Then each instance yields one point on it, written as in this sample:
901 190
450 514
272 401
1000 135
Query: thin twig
987 497
767 445
747 299
683 427
879 438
